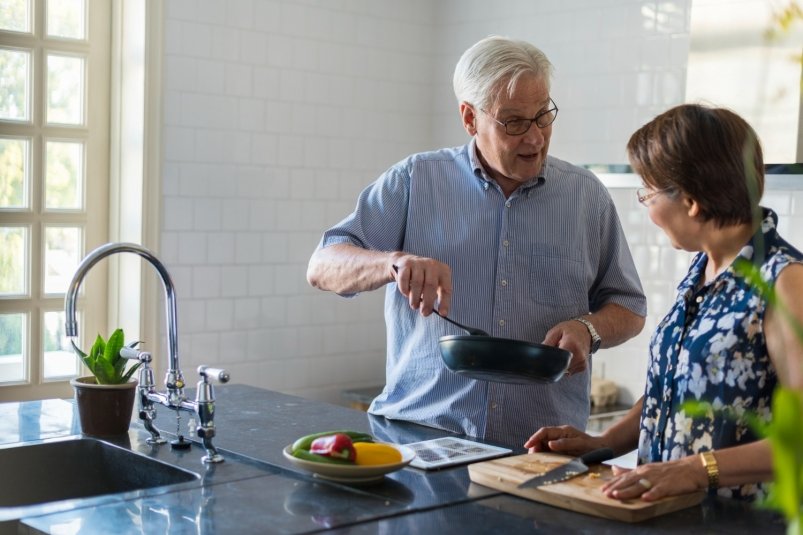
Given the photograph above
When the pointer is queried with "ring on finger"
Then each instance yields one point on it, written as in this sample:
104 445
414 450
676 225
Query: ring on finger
645 483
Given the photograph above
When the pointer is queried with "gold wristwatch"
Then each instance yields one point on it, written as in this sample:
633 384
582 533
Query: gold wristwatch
711 468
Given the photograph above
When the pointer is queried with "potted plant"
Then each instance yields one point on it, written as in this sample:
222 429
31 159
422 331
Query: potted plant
106 398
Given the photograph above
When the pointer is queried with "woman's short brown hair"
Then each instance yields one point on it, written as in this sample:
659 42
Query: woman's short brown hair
710 154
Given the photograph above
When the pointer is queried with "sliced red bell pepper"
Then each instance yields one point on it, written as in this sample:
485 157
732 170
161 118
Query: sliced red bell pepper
338 446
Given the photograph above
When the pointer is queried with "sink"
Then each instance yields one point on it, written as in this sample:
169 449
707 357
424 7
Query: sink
78 468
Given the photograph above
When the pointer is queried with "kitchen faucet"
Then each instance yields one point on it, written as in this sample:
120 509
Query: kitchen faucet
173 398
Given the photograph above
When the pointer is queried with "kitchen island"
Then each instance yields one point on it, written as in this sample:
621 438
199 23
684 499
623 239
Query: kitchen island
256 490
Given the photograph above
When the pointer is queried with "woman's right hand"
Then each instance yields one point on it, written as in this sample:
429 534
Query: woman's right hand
563 439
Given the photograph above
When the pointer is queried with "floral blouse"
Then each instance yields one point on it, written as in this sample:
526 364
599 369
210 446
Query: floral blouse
710 348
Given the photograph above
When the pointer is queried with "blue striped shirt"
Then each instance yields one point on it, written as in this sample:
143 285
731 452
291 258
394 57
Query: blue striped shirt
551 251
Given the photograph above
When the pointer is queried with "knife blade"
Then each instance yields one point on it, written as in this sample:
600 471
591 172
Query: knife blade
573 468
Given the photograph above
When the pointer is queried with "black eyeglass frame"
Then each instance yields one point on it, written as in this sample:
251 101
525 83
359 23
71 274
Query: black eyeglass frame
529 122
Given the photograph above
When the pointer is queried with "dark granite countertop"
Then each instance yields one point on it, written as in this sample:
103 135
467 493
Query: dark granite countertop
257 491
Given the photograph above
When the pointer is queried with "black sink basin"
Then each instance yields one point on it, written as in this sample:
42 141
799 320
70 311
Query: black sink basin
78 468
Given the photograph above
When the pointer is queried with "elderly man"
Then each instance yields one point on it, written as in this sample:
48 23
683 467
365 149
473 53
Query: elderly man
498 235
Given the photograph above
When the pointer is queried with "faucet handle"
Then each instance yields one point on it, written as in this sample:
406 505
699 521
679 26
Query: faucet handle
219 374
205 393
128 352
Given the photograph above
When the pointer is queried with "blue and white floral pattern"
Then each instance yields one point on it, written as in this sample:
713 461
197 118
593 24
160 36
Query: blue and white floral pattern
710 347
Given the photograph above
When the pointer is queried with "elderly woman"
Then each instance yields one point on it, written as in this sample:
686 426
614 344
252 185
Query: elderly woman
721 343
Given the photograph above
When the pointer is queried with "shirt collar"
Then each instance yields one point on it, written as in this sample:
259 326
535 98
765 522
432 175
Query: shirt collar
754 251
481 173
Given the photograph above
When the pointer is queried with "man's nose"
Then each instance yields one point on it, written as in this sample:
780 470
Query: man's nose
535 135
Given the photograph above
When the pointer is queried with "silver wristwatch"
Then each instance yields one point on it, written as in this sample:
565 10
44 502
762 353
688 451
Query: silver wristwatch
595 339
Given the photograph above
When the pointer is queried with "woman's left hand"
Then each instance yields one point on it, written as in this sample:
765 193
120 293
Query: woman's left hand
657 480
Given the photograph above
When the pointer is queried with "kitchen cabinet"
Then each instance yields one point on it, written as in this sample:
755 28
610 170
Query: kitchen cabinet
257 491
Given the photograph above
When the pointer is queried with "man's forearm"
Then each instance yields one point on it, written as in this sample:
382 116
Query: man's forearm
615 324
345 268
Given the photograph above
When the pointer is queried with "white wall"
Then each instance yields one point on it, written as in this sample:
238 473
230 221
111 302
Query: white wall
278 112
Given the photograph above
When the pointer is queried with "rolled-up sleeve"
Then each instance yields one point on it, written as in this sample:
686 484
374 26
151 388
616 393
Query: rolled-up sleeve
378 222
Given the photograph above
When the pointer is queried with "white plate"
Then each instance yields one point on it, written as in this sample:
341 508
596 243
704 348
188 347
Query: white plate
347 473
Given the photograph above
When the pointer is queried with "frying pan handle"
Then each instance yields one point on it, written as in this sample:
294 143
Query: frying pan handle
597 456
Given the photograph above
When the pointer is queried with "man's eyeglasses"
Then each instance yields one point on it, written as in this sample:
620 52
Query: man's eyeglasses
644 195
518 127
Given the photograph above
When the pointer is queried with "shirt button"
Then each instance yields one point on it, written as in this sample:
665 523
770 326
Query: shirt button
504 283
493 405
699 299
507 204
501 323
505 243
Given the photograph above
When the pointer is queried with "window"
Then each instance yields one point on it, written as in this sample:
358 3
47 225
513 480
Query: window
741 58
54 168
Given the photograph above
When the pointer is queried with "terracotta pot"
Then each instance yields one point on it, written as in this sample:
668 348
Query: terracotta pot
104 410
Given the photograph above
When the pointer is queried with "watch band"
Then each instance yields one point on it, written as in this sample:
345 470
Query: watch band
596 341
711 468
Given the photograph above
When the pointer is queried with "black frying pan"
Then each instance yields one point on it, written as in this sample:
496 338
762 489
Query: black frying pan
480 356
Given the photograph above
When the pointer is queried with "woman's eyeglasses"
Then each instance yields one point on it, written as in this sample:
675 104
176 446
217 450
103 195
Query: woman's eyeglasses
644 195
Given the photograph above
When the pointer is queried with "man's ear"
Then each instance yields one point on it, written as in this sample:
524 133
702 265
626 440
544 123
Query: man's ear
469 118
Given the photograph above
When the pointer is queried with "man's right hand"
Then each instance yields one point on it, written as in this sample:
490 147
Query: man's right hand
423 281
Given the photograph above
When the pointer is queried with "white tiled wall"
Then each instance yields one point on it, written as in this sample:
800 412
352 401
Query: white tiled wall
278 112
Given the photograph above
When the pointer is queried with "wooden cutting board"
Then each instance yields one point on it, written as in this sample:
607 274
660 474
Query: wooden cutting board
580 494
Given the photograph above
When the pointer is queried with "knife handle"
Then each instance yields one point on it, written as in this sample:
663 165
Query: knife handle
597 456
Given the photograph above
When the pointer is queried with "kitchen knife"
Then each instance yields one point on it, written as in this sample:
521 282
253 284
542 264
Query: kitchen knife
573 468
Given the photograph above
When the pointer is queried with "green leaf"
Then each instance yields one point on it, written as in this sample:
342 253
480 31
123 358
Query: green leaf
104 360
130 372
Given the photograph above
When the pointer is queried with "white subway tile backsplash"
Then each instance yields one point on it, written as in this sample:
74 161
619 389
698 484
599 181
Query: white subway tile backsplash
275 247
205 281
192 248
301 245
234 346
235 214
219 315
291 150
262 215
239 13
260 280
247 248
220 248
207 214
210 75
289 279
272 310
234 282
246 313
177 214
192 315
238 80
169 247
267 16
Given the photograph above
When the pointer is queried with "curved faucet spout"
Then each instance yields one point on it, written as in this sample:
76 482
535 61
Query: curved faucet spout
170 295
